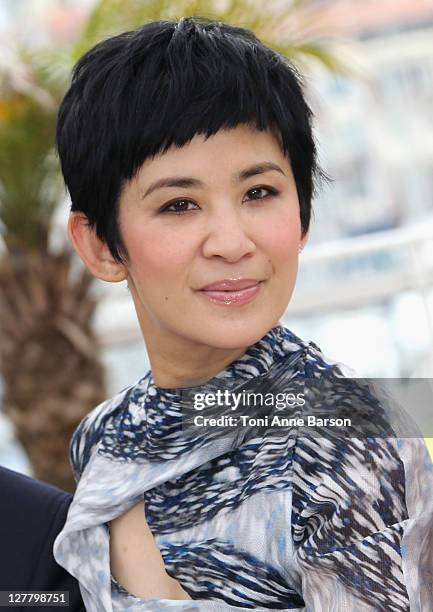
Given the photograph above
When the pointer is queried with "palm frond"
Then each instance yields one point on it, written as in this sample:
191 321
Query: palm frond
29 177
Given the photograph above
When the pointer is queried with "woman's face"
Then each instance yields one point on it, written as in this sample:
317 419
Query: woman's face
221 209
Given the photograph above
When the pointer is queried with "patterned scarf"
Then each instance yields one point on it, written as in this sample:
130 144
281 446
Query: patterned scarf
261 518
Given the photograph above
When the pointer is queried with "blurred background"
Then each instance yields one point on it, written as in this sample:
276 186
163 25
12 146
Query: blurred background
365 288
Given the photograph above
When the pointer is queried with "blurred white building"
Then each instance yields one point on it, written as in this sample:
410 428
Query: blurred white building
376 129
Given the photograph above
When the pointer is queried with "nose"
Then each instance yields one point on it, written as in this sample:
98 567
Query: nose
227 235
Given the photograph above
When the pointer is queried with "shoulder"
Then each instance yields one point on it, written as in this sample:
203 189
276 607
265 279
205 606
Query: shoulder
31 515
19 489
90 431
49 505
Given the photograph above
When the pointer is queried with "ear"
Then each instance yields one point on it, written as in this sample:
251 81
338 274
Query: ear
304 240
94 252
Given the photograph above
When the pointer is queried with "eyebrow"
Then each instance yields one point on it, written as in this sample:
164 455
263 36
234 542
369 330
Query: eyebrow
180 181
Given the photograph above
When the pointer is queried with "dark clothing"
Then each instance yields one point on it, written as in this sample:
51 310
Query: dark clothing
31 515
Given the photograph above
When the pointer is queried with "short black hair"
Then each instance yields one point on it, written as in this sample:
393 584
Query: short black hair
135 94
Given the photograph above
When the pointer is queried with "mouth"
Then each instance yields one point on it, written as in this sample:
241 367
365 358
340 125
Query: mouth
232 296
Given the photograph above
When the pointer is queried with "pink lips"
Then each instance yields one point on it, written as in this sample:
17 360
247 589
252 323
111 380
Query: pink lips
231 291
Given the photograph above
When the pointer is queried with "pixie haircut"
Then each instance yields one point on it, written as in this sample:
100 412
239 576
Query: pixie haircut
134 95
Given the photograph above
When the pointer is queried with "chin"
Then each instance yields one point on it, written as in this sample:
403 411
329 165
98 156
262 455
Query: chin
237 335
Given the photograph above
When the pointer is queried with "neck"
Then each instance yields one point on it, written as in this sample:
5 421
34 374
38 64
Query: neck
184 365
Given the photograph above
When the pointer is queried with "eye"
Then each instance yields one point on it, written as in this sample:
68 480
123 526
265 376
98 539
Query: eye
181 206
178 207
257 191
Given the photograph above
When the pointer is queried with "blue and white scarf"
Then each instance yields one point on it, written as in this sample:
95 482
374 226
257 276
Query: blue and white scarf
264 522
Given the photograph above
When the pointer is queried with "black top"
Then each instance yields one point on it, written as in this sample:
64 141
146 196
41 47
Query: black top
31 515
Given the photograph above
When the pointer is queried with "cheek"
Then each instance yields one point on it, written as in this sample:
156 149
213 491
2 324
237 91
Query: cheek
282 237
155 256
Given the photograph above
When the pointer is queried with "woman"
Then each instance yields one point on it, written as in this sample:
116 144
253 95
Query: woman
188 152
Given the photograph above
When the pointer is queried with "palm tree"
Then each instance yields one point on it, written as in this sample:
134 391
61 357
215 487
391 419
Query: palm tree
50 368
49 356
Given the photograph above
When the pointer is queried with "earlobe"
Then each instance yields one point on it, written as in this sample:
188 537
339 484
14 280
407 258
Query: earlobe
94 253
303 241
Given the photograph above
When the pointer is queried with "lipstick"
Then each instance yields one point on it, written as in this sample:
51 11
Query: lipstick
232 291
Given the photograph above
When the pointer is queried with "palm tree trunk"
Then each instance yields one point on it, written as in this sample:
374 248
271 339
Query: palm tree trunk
49 359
